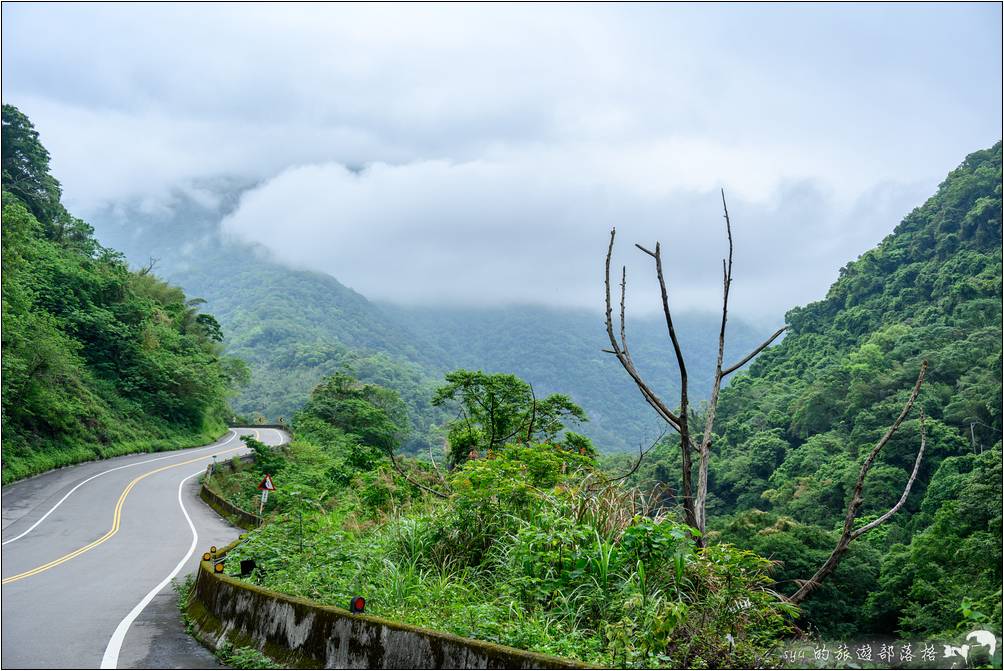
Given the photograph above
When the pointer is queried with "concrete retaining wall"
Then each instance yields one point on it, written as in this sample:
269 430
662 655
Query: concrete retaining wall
215 500
302 634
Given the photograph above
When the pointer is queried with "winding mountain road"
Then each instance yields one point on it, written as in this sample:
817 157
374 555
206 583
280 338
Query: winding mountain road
89 552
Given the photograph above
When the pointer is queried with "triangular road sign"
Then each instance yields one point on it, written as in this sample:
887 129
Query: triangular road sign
266 483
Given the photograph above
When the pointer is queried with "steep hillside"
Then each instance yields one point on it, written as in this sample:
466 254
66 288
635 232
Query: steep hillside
97 360
292 327
794 429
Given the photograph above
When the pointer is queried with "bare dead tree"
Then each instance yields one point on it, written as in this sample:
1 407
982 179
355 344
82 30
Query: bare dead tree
693 504
148 268
849 533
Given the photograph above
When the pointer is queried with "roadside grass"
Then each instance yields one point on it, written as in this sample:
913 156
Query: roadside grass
184 591
520 555
241 657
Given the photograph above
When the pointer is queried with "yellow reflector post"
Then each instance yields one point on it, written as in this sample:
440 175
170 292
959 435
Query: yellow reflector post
212 548
219 567
205 556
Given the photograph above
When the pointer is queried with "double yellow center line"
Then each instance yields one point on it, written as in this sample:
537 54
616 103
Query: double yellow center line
116 520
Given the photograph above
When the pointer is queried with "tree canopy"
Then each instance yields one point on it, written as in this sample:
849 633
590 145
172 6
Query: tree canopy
495 409
97 359
793 430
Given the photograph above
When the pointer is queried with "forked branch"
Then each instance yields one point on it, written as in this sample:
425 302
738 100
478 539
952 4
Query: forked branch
849 533
906 491
621 352
642 453
397 467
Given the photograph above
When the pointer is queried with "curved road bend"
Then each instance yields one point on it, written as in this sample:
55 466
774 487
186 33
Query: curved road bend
87 556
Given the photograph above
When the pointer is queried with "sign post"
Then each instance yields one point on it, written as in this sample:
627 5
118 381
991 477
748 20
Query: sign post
265 486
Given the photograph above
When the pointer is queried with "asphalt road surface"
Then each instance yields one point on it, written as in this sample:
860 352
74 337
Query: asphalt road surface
89 552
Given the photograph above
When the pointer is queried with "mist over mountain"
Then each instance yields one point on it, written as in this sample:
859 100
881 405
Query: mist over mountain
295 326
390 228
792 427
561 351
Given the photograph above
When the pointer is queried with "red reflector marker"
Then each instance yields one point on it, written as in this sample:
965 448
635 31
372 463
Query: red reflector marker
357 605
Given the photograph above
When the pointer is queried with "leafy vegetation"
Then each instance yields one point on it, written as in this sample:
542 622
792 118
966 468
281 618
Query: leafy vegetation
792 431
496 409
243 657
97 360
533 548
532 543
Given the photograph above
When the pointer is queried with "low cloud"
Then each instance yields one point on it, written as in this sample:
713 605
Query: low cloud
499 143
490 232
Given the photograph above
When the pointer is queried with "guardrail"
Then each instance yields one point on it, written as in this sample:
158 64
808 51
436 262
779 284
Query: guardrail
281 427
299 633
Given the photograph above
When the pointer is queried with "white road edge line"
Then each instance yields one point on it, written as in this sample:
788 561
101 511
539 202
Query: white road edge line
110 659
117 468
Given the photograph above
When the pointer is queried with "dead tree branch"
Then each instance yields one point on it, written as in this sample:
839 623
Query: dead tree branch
623 294
693 506
761 347
397 467
148 268
704 452
849 533
677 422
625 358
690 509
642 453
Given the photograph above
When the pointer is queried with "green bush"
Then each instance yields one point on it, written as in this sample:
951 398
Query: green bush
526 551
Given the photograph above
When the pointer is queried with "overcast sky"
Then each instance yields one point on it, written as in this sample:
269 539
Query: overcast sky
481 154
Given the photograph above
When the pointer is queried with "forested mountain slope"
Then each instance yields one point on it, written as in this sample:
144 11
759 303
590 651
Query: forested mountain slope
561 351
97 360
294 327
794 429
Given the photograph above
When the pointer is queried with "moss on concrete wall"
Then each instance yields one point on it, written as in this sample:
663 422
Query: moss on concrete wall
299 633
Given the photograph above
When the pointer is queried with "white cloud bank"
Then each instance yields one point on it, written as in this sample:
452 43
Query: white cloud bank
484 232
501 142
